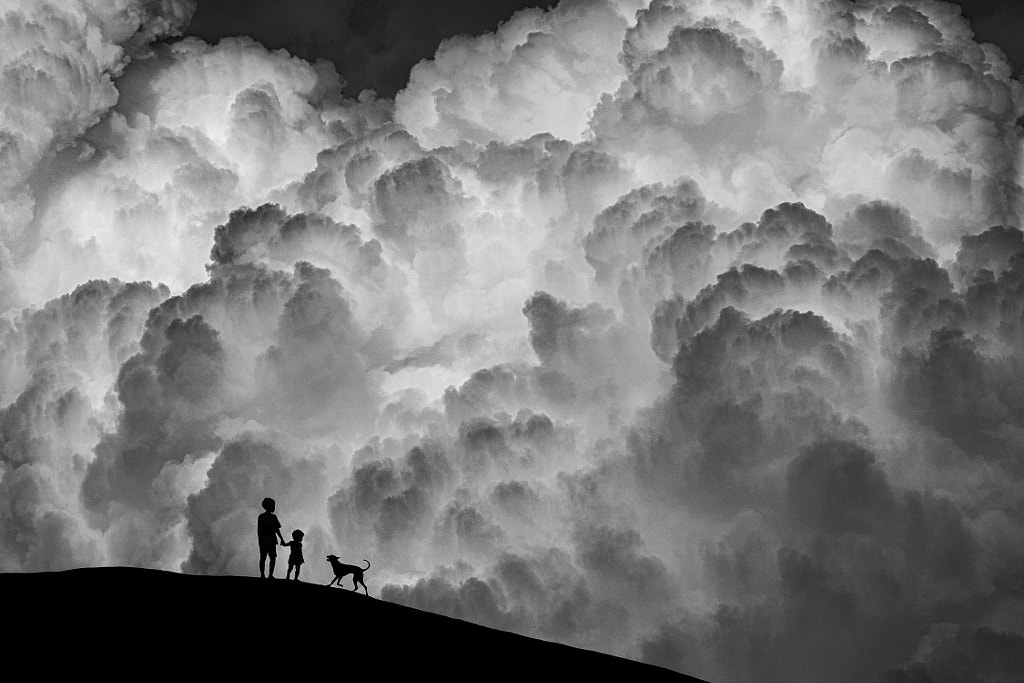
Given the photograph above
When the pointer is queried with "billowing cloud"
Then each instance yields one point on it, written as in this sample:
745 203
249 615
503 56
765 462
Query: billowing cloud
541 71
57 66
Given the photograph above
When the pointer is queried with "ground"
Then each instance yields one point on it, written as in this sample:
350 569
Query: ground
145 624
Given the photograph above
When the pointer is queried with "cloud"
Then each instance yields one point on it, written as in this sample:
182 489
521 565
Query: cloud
196 132
540 72
886 227
950 651
317 337
53 413
58 66
713 94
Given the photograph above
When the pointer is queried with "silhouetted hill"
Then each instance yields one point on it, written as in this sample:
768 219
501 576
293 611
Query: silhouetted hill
148 624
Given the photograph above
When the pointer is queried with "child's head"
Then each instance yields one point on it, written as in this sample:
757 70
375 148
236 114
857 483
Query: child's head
296 535
268 504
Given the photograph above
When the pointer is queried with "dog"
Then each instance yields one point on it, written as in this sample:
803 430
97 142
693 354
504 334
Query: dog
343 570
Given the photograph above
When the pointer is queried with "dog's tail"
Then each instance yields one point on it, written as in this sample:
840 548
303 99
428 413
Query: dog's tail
367 564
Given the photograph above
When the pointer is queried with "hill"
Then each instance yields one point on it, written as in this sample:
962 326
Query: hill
141 623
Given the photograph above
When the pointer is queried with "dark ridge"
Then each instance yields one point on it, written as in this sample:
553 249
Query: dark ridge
146 624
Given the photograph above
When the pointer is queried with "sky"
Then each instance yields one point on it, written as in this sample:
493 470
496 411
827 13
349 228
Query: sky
376 42
998 21
686 331
373 42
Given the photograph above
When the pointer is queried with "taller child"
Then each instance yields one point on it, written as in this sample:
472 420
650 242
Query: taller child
268 529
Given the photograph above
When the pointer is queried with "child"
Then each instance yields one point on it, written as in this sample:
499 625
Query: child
295 558
268 530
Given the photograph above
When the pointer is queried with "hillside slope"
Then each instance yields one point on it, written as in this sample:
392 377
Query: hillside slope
142 623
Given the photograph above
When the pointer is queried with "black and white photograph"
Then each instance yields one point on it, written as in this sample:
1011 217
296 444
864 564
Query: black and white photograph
475 340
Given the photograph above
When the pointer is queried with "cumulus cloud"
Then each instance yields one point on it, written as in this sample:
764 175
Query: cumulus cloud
690 332
58 65
541 71
195 133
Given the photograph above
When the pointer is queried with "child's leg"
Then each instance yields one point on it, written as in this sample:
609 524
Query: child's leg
297 568
288 574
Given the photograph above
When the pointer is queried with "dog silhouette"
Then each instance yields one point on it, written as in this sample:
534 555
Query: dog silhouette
342 570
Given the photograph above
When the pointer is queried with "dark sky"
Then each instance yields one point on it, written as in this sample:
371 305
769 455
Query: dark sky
374 43
999 22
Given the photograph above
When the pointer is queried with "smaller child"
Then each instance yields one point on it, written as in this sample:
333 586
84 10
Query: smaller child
295 558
